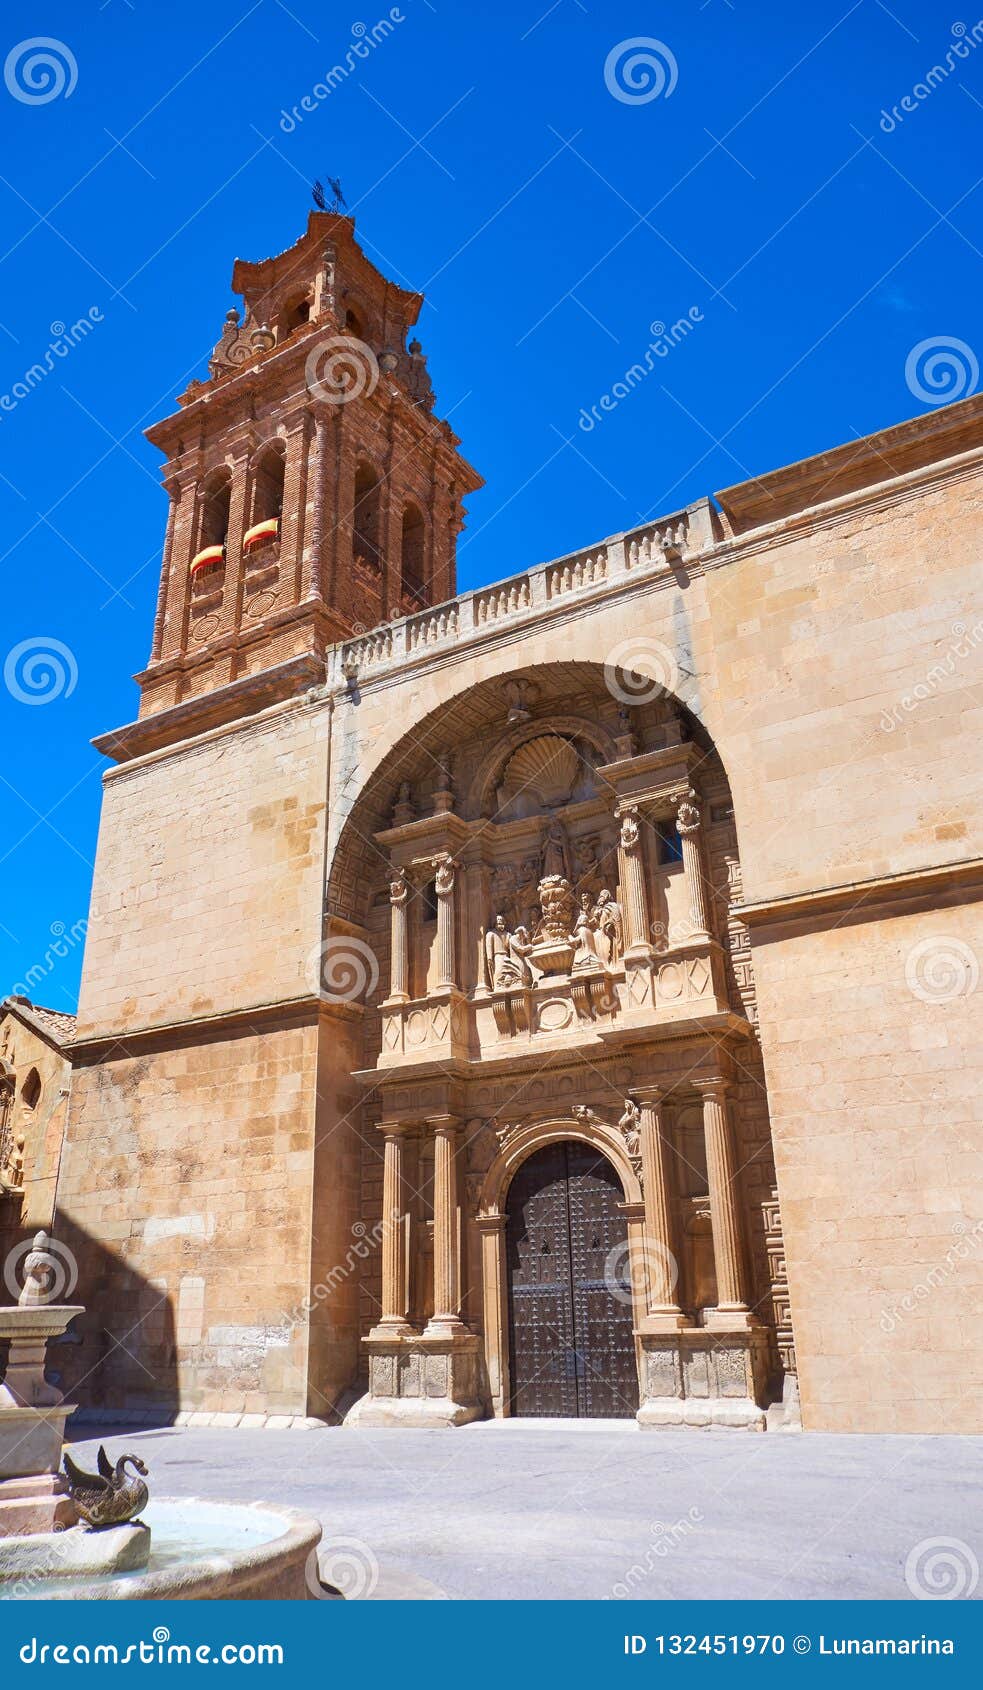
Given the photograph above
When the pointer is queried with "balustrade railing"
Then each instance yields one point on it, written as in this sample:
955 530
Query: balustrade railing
653 546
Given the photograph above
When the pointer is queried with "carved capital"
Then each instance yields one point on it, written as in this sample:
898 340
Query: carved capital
712 1085
630 834
688 814
399 888
443 867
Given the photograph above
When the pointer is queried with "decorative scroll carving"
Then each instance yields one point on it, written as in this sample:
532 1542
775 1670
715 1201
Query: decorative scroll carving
688 813
443 866
504 1131
240 342
630 828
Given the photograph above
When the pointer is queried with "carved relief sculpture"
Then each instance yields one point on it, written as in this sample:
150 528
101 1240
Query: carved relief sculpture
553 945
608 921
506 955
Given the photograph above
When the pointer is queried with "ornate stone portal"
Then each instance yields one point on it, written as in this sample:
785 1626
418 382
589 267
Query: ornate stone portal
556 905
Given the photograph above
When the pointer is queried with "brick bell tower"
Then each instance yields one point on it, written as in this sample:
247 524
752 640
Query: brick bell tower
313 492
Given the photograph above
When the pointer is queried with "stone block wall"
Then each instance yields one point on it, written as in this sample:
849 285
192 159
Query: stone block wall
875 1085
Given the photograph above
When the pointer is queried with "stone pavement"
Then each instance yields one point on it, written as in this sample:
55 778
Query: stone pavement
589 1510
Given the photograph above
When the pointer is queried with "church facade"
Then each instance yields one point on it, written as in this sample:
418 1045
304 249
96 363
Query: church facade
558 998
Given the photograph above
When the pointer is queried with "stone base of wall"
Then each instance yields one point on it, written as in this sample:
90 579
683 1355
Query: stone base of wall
699 1377
420 1381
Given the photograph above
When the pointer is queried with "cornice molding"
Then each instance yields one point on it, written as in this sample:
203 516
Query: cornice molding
878 895
304 1010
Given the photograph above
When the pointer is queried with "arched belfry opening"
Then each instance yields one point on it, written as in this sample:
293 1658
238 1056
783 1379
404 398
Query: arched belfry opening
546 875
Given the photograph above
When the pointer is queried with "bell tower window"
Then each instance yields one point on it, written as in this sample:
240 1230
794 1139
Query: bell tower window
366 518
208 563
215 512
295 314
413 558
267 503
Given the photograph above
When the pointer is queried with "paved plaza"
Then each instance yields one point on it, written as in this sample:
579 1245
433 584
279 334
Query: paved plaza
594 1510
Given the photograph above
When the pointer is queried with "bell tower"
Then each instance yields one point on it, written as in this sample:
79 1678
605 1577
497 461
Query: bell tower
313 491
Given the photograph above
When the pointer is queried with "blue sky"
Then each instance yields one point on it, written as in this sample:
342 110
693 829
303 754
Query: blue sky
497 158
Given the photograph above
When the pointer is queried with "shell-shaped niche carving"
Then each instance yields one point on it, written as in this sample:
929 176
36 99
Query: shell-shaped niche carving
543 772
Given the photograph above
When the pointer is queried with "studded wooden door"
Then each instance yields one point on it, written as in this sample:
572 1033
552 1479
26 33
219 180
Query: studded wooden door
570 1321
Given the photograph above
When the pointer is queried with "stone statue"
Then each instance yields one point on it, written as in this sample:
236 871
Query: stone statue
556 852
584 934
506 954
41 1270
609 926
631 1126
403 810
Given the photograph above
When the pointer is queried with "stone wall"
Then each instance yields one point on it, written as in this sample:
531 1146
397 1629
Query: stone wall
207 891
185 1194
874 1085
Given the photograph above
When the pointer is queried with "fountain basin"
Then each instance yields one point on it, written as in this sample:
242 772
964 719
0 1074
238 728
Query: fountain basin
76 1553
198 1550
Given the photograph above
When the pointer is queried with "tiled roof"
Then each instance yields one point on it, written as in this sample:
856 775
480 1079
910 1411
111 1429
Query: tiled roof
57 1023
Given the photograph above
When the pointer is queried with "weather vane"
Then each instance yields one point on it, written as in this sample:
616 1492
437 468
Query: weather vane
337 197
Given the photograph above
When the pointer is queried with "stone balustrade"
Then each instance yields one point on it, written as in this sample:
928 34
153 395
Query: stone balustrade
652 547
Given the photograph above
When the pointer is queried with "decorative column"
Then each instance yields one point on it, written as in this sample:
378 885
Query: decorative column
663 1267
392 1320
399 892
443 866
632 875
174 489
238 505
725 1218
476 899
688 821
495 1302
445 1321
294 564
311 587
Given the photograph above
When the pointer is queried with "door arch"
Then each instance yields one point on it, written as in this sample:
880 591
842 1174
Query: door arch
571 1343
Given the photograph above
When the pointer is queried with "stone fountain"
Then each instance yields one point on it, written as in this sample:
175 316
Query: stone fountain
32 1412
201 1548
